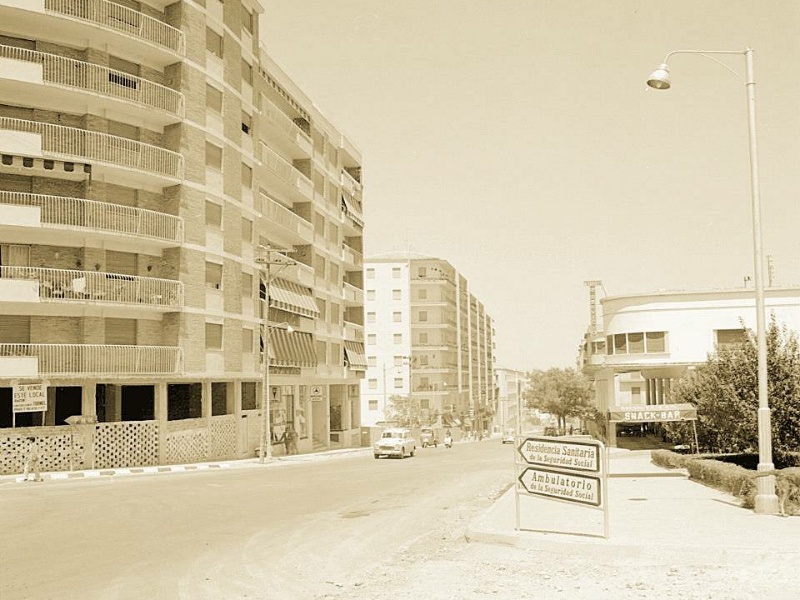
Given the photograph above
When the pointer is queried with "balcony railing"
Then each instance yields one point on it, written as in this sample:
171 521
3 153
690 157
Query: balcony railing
91 359
349 183
282 168
72 142
120 18
65 285
277 213
59 70
103 216
280 120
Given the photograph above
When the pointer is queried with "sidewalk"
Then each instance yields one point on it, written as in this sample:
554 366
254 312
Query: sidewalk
245 463
655 514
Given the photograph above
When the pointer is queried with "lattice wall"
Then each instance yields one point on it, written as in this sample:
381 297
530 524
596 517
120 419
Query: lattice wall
55 446
126 444
223 437
187 446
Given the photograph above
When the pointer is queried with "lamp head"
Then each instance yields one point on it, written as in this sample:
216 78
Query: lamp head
659 79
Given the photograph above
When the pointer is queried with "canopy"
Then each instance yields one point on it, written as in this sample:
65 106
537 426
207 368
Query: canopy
355 356
294 349
292 297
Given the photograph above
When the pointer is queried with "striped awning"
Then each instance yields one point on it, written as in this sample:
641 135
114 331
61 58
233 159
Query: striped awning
294 349
292 297
348 206
355 356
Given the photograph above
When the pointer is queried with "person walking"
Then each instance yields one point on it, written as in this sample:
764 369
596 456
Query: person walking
32 463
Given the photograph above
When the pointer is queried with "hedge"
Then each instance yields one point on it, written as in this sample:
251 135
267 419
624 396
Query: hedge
733 479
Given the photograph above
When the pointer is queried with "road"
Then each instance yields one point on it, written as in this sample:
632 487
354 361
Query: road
299 529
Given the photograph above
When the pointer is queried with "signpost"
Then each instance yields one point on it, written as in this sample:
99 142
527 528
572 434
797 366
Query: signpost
563 469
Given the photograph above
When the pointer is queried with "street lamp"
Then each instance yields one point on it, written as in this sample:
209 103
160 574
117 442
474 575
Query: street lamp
267 260
766 501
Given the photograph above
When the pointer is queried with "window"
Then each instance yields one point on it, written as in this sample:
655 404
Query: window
370 294
372 361
319 224
620 343
398 338
247 177
424 403
319 266
397 295
398 361
371 317
333 273
398 382
213 214
396 272
335 312
370 273
423 316
423 359
322 305
373 405
322 353
213 336
214 43
247 20
372 339
727 338
422 272
636 343
213 275
373 384
213 156
423 294
656 341
423 337
397 316
213 99
247 341
247 285
247 230
247 72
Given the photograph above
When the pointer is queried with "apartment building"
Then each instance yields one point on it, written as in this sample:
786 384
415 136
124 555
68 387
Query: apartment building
430 342
647 342
159 173
510 385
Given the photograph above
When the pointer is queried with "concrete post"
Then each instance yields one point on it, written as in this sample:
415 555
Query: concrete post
160 401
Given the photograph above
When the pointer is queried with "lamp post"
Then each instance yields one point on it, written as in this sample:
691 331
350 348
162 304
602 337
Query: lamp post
266 260
766 501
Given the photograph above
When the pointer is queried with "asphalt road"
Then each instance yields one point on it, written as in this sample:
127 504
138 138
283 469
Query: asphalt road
286 530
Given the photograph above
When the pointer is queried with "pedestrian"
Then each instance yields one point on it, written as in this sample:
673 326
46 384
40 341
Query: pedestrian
291 440
32 465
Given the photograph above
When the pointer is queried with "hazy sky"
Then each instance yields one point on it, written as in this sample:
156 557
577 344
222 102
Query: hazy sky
517 139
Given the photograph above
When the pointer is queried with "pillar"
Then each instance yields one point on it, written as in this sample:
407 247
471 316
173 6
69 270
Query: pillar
161 413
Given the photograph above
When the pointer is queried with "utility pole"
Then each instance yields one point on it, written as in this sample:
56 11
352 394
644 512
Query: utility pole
266 260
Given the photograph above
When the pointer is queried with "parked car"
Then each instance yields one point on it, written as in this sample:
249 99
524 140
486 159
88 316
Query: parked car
428 437
508 436
395 442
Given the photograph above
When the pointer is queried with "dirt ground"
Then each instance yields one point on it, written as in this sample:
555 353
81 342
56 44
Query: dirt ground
443 565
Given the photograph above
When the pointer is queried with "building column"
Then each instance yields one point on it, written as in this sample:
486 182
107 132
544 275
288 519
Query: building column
161 413
87 431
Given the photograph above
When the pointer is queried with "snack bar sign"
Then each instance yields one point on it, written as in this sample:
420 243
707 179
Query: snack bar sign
574 456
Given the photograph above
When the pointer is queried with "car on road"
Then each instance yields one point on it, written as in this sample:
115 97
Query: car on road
428 437
395 442
508 436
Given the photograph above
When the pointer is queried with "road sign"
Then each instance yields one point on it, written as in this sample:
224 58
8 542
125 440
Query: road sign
30 397
552 452
316 391
571 487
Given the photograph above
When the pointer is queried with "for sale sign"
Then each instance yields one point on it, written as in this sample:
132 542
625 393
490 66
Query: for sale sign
30 397
582 489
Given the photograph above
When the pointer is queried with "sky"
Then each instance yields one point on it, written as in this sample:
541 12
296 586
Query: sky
518 140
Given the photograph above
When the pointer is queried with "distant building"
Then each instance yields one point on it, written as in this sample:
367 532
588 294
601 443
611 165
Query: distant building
649 341
510 386
429 341
150 150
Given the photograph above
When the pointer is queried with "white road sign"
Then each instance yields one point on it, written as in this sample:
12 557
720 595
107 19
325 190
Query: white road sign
571 455
316 391
581 489
30 397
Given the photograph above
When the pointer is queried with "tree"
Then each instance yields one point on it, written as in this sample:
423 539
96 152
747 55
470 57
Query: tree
404 410
561 392
725 392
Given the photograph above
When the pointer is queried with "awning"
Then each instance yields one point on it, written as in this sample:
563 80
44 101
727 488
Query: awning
294 349
652 413
292 297
354 355
349 207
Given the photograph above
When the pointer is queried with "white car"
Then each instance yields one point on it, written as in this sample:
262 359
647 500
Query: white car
395 442
508 436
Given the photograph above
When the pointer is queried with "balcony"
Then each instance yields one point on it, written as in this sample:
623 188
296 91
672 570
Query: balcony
282 225
39 284
105 90
353 331
134 35
350 184
282 174
352 258
352 295
32 218
32 360
120 159
284 132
